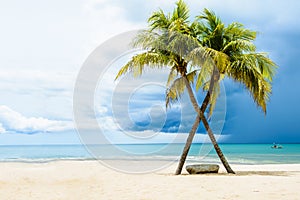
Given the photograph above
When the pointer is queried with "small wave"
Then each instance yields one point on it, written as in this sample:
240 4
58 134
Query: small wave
42 160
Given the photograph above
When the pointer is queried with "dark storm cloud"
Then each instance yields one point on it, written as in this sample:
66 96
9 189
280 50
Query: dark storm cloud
279 35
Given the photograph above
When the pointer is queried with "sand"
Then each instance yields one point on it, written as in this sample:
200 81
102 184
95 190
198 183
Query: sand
91 180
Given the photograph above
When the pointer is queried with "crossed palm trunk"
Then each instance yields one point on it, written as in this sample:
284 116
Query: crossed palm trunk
201 117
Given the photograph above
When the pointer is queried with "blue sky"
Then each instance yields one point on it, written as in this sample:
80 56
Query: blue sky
45 43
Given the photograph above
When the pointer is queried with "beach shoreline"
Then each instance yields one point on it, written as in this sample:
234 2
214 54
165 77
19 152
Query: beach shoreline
92 180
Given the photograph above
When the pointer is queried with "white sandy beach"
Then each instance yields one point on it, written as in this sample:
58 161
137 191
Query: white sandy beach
91 180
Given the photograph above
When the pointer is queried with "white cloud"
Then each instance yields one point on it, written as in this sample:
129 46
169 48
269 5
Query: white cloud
106 19
32 81
12 121
2 130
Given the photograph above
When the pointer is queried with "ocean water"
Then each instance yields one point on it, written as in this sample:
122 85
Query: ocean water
235 153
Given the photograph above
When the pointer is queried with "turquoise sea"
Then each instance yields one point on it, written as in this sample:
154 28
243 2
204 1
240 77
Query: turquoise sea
235 153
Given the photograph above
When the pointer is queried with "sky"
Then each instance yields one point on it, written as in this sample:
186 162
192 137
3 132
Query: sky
44 45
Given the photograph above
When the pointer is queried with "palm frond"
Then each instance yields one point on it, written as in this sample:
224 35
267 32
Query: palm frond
172 75
239 46
181 12
266 65
236 31
245 69
148 59
158 20
181 44
213 98
220 59
149 40
174 92
211 19
204 75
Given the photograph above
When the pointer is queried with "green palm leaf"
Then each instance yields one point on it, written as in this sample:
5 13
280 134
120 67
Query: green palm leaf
148 59
177 88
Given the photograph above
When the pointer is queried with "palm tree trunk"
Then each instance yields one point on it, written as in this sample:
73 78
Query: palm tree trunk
216 146
187 146
200 115
192 133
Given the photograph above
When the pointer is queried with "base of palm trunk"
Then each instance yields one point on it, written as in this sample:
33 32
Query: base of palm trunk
202 168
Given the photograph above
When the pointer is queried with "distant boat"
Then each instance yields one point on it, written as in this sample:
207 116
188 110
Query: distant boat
276 146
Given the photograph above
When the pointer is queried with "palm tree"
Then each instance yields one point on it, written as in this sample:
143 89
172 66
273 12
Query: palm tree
187 49
169 42
234 55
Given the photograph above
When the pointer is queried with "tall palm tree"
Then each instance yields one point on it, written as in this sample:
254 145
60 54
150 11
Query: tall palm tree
187 49
234 55
169 42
